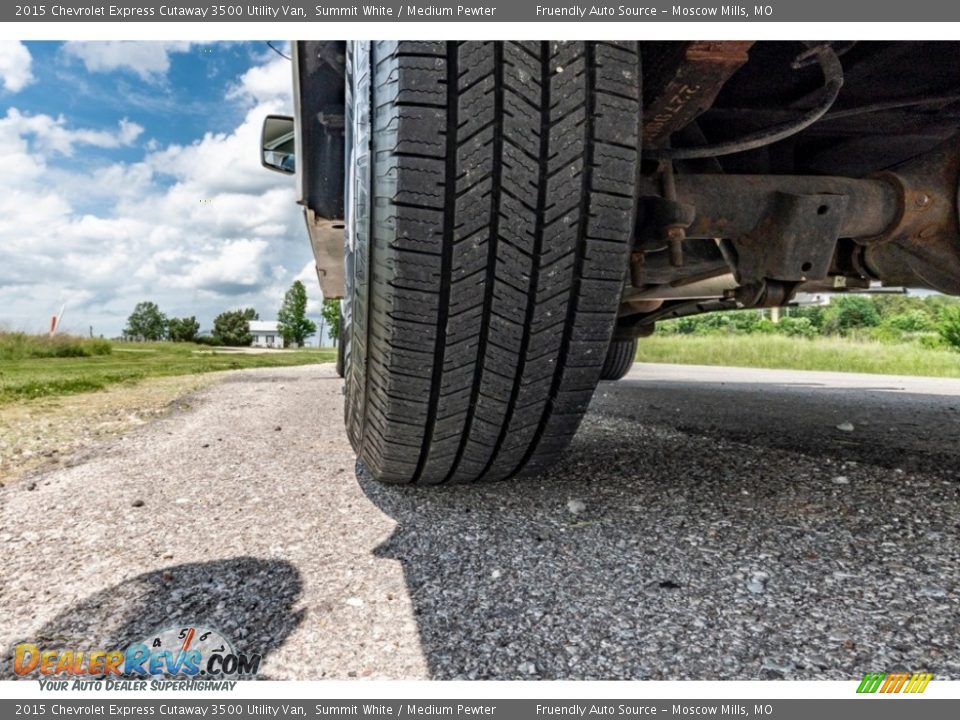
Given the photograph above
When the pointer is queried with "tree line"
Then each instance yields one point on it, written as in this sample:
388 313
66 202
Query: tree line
232 327
932 321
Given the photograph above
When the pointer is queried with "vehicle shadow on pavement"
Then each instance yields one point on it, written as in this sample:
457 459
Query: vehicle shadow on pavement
648 554
248 600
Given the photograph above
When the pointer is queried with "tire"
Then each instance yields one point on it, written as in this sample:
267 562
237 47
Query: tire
619 360
491 201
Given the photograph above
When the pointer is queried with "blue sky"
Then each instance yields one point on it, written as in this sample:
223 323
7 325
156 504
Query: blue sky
131 173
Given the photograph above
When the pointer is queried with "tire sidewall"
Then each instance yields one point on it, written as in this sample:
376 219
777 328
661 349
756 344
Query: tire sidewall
356 231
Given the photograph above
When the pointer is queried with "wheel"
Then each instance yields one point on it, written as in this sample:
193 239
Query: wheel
341 344
490 208
620 357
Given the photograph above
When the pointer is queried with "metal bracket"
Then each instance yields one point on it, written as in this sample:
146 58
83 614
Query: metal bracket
326 239
794 241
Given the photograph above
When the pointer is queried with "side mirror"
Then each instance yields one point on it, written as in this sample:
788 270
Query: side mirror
277 144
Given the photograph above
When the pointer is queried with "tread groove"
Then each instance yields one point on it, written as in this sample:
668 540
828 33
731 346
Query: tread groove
586 181
446 256
492 247
541 201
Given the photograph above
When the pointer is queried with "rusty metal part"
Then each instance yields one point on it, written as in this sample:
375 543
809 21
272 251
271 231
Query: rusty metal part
837 283
922 247
783 228
848 261
690 87
643 325
783 233
731 206
709 274
795 241
658 271
711 287
765 293
326 239
661 219
832 82
675 231
786 227
675 237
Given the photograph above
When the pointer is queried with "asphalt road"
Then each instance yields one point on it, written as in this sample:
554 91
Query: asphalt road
706 523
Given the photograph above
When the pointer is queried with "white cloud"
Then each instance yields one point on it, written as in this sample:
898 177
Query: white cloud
270 82
221 162
232 266
198 228
149 60
15 65
52 134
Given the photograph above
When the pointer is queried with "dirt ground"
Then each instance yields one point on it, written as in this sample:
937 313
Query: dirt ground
59 432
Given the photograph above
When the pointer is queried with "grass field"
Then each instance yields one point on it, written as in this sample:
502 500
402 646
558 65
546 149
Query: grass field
21 346
25 375
28 371
777 351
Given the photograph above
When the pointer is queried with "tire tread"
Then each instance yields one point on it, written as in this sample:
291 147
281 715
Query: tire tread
494 227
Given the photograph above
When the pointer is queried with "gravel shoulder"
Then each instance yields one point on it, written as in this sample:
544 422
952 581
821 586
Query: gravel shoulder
59 431
673 540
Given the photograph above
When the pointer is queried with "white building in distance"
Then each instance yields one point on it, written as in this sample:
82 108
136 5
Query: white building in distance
266 334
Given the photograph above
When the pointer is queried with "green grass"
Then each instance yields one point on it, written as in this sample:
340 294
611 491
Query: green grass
25 376
777 351
34 367
20 346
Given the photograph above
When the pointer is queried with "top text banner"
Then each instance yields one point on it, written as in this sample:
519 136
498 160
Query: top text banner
491 11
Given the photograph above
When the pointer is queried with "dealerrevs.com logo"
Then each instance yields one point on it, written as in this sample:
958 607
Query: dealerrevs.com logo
191 653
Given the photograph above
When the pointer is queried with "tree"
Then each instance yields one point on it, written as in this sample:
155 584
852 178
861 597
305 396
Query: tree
796 327
851 312
949 327
146 322
814 313
233 327
912 321
292 319
250 314
331 313
183 329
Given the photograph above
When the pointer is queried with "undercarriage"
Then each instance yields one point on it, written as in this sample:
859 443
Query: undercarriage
792 176
769 169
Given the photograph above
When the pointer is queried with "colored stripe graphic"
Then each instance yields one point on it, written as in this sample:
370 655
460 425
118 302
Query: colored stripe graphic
870 683
918 683
895 682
